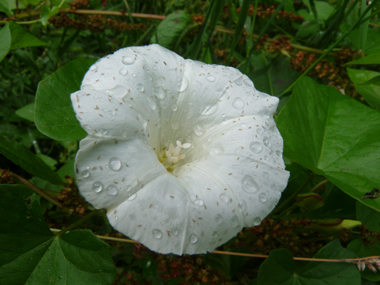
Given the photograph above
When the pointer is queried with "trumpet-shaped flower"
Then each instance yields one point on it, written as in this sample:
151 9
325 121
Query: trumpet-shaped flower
182 154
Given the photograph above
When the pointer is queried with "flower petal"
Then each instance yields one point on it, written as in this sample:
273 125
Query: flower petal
110 172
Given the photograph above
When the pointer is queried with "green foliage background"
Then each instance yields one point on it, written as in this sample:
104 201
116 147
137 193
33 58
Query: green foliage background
321 58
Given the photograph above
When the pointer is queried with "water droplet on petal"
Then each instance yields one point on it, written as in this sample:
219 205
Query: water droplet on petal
123 72
157 234
238 103
256 221
198 202
85 173
97 187
151 103
259 131
155 67
199 130
114 164
103 132
234 221
219 219
175 125
249 185
210 78
267 142
255 147
93 67
128 60
209 110
133 197
175 107
215 234
159 92
243 205
141 88
265 175
216 149
224 198
112 190
193 238
278 153
263 197
183 84
175 231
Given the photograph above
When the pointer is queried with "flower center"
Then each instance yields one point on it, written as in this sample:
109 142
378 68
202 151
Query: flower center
169 158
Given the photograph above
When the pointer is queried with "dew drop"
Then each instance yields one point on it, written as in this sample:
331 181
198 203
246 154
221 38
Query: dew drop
255 147
278 153
209 110
199 130
234 221
183 84
224 198
175 231
155 67
159 92
103 132
112 190
265 175
128 60
216 149
259 131
256 221
85 173
263 197
198 202
175 125
93 67
210 78
248 184
193 238
141 88
151 103
97 187
267 142
133 197
243 206
219 219
123 72
114 164
238 103
175 107
215 234
157 234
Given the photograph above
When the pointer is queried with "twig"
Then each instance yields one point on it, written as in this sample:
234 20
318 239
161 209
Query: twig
319 185
33 187
366 260
77 223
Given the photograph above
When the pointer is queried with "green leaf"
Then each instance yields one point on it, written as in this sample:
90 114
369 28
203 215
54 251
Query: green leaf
21 38
370 59
51 162
27 160
30 253
26 112
288 272
324 131
67 169
369 217
5 7
363 249
6 40
54 114
372 44
170 29
45 14
367 83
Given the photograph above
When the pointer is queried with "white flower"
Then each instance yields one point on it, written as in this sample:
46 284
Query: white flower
182 154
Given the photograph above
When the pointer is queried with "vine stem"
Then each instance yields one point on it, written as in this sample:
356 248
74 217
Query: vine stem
77 223
33 187
350 260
